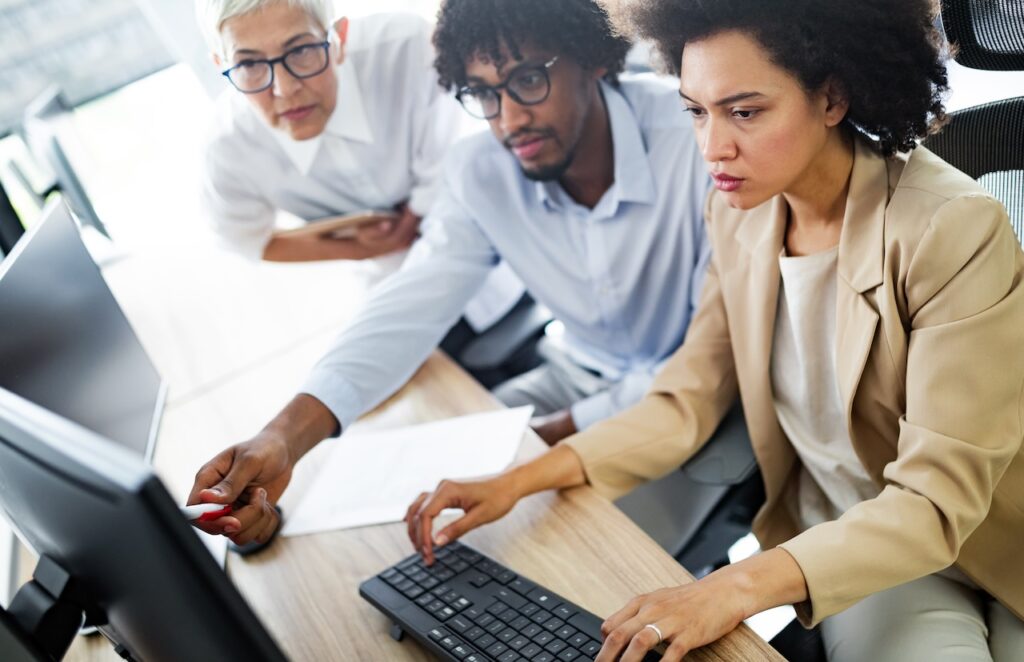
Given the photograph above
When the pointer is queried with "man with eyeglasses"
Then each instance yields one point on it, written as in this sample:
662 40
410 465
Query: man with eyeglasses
590 186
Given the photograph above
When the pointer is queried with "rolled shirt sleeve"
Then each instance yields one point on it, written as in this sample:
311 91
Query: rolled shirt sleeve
406 315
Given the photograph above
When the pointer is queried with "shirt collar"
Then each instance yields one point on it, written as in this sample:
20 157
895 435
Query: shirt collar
348 121
634 181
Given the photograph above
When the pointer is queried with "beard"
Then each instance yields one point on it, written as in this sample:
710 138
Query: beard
550 173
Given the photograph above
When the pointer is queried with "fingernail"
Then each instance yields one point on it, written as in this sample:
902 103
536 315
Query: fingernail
230 529
217 491
441 540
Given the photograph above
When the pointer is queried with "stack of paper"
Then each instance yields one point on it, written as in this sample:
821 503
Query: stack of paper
372 478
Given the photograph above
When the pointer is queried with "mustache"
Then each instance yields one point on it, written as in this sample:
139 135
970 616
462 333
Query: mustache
522 135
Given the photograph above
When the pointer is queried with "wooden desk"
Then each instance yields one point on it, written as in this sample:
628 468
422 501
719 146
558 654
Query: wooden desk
305 590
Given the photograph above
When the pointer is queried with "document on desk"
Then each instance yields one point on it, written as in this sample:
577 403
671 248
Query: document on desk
371 478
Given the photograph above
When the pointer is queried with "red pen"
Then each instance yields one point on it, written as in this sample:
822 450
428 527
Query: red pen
206 512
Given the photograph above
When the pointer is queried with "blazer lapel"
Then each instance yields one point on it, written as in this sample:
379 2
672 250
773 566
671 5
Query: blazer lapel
761 235
861 254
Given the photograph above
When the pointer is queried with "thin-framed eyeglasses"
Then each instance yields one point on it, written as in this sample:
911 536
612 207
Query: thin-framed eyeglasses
527 85
306 61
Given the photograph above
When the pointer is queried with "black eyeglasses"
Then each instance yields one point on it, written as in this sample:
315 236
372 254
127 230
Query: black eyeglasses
306 61
527 85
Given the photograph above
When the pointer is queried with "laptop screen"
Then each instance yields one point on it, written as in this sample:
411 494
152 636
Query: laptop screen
65 343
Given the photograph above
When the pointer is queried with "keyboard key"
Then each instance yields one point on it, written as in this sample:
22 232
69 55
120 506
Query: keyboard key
476 658
458 565
509 656
508 615
496 649
529 609
445 613
437 634
543 638
518 642
429 583
506 577
530 651
510 598
479 580
405 585
473 613
544 657
486 641
450 597
543 598
520 623
579 640
461 652
564 632
522 586
540 617
565 612
556 646
569 654
497 608
591 648
441 590
507 635
475 633
424 600
419 577
553 624
495 627
442 553
460 624
413 592
435 606
532 630
468 555
462 603
484 619
449 643
444 575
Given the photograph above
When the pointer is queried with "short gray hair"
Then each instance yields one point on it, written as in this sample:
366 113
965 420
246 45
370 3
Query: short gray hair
211 14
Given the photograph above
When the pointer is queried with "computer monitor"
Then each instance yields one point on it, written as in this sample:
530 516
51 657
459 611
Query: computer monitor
114 545
11 228
44 120
65 343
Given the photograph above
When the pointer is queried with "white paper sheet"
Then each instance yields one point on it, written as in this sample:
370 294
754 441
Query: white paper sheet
372 478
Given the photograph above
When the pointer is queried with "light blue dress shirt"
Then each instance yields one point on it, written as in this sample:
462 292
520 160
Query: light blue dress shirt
624 277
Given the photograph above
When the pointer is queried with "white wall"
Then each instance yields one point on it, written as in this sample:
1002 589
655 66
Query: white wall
175 22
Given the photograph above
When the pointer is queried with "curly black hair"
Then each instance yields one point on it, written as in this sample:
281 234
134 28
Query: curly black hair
886 56
578 29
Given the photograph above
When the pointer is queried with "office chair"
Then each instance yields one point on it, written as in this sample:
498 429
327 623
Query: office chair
987 141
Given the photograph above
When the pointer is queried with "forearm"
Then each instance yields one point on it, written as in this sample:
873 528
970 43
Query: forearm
557 469
303 423
764 581
295 249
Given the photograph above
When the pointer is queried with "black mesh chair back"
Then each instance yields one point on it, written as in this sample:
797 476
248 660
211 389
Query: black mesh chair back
987 142
988 34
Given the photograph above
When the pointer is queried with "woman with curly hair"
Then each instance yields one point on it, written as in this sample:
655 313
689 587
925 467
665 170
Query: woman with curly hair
865 301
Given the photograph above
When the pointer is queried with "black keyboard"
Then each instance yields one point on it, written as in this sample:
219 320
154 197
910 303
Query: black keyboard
470 608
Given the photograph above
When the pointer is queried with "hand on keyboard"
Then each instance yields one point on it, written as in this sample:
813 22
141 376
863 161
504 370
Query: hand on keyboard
482 500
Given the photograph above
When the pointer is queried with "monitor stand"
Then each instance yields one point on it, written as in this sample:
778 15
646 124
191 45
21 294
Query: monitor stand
45 616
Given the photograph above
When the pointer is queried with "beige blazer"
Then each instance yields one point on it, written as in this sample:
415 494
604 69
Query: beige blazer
930 359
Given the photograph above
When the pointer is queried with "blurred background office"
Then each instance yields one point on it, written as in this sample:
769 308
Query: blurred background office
136 89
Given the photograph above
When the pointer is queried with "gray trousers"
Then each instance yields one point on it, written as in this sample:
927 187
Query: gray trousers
938 618
556 385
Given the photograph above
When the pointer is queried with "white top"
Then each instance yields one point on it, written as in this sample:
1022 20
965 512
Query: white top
383 145
623 278
806 389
